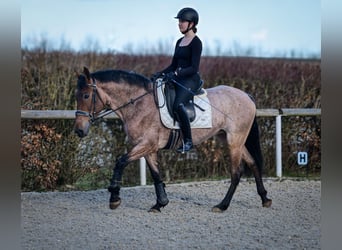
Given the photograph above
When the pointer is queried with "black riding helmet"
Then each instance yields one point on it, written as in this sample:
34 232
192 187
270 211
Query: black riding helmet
188 14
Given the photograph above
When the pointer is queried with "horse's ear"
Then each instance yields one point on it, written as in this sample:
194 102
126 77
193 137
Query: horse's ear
76 73
86 72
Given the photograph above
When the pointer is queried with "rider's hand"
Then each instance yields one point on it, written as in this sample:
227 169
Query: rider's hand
170 76
155 76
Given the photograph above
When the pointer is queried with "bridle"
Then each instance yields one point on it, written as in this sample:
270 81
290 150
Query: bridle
94 116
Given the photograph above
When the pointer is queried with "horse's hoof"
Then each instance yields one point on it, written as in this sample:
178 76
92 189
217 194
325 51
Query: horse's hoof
220 208
267 203
217 210
114 204
154 210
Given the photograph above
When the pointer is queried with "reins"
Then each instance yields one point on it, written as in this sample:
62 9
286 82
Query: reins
106 111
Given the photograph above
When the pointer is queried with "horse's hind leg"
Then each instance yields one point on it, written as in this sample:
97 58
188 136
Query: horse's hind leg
258 178
235 157
159 186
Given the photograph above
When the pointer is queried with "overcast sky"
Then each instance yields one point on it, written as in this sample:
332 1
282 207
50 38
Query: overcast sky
267 27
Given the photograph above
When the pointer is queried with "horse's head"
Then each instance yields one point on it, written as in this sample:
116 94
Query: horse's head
106 91
89 102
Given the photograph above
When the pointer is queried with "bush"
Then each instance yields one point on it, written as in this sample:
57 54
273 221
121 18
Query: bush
40 163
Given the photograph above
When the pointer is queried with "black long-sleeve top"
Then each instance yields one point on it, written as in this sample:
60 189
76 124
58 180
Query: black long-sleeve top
186 59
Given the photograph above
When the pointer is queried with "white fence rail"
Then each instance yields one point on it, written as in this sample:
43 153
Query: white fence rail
70 114
277 113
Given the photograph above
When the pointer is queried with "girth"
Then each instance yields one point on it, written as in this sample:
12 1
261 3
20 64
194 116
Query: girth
174 138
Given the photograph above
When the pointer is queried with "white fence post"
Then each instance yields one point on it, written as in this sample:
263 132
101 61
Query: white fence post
278 146
142 171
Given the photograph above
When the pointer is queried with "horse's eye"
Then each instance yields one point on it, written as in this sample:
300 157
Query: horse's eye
86 96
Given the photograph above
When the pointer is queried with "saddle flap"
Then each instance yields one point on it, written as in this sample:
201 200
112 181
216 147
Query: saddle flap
170 95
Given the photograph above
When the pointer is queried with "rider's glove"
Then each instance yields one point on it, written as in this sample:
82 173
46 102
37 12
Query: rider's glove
155 76
170 76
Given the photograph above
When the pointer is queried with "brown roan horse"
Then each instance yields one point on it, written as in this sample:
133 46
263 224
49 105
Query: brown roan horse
132 98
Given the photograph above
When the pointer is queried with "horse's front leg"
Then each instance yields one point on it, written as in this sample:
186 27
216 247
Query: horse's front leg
115 182
159 186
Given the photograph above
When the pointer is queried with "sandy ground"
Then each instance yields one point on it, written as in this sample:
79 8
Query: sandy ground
83 220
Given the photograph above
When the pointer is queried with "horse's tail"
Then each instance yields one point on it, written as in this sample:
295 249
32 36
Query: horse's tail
253 146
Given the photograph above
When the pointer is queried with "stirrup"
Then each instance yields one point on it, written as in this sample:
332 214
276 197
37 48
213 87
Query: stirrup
185 147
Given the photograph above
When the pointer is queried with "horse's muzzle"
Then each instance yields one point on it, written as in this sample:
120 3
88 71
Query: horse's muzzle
80 132
82 127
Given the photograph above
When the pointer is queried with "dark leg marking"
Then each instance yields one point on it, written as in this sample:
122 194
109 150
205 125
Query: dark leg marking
115 182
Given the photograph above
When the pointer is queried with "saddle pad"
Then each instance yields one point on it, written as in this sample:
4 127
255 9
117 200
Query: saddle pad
202 120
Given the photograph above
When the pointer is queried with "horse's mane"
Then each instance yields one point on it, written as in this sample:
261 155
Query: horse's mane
121 76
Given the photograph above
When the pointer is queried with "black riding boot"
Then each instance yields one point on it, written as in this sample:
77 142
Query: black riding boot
184 125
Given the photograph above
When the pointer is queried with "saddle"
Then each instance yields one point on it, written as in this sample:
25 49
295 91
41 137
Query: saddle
170 95
164 95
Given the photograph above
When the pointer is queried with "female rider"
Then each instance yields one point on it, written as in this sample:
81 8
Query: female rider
184 69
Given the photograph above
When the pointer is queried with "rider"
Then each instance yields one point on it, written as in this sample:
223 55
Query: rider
184 69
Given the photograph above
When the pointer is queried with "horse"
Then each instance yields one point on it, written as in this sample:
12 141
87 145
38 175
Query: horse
132 97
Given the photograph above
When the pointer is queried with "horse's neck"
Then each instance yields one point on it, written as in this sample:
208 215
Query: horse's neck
125 99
